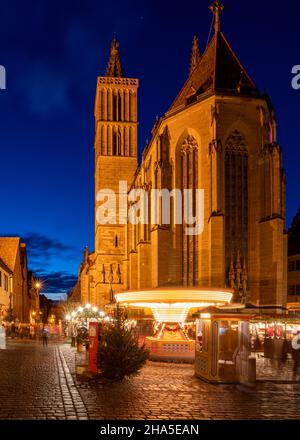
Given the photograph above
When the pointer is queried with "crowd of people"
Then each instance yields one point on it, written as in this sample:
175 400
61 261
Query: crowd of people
17 330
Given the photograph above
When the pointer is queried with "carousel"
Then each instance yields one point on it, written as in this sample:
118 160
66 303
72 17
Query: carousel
173 338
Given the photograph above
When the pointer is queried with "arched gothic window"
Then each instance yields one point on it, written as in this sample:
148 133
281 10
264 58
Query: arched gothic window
116 150
236 199
189 180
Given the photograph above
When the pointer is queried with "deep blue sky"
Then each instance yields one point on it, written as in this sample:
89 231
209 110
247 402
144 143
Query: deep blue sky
54 50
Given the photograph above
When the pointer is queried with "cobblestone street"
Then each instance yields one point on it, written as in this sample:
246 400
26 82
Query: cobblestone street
40 383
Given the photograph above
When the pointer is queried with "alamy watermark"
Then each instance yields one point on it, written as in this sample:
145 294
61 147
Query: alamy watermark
296 78
155 206
2 78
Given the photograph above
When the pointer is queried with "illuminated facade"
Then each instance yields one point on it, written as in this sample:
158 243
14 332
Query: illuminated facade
218 135
14 290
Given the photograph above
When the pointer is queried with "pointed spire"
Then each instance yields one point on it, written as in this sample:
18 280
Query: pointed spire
195 54
217 8
114 67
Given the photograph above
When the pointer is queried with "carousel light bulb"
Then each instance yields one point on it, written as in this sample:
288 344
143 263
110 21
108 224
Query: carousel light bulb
101 313
95 309
80 309
107 318
88 306
73 314
68 317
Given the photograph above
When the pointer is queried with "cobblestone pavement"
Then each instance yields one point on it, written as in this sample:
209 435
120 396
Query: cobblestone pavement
37 382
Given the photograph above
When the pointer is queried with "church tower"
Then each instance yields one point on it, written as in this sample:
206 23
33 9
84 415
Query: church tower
116 123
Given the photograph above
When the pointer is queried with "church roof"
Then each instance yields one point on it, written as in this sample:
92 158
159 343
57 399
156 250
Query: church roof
8 251
114 67
294 236
218 70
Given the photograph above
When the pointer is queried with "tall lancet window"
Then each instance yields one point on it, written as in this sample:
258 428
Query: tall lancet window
189 180
236 208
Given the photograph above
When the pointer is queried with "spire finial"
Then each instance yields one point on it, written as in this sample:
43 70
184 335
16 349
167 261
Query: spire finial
217 8
114 68
195 54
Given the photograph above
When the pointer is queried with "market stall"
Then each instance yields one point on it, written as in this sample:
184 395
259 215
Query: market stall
272 335
223 347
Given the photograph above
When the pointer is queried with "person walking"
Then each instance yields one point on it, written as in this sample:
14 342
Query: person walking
2 337
45 336
32 331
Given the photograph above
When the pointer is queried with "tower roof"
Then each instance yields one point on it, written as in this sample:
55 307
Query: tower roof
114 67
218 70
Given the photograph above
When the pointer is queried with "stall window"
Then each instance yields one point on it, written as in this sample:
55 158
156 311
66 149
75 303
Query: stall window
228 340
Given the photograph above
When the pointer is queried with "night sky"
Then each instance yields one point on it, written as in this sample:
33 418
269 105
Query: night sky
54 50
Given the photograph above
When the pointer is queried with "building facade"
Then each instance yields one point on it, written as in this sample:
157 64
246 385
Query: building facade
219 135
34 297
5 290
14 256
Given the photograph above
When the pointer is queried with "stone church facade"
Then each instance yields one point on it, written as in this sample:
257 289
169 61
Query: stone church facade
219 135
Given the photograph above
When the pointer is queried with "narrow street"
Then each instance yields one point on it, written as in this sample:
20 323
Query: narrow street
40 383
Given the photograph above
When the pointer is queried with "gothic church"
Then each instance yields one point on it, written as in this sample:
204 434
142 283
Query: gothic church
219 135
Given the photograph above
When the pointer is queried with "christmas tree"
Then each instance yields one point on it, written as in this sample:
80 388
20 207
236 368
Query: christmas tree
120 354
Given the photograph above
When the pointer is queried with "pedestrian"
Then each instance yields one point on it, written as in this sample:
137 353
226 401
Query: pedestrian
45 336
2 337
296 358
32 332
13 330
